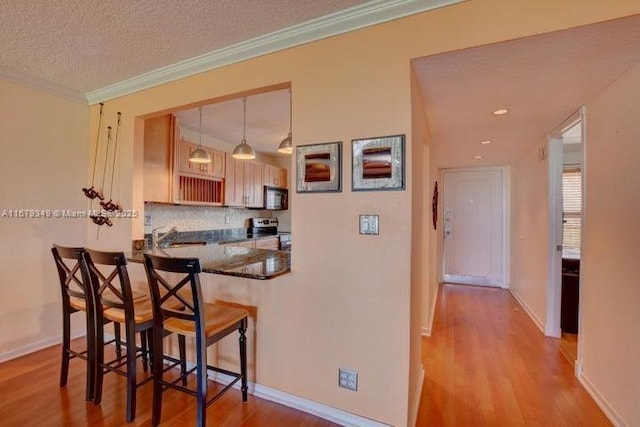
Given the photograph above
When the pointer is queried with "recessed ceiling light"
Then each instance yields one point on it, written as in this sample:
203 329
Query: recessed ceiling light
477 157
486 142
500 112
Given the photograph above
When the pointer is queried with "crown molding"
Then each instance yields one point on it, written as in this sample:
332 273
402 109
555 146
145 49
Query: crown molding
43 86
371 13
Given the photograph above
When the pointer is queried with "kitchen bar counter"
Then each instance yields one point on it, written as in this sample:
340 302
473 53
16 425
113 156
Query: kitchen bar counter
260 264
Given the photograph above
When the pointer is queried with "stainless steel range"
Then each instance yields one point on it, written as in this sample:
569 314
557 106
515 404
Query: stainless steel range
269 227
262 226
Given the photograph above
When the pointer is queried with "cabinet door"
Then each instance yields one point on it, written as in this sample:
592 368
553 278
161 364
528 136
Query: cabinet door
183 152
217 166
275 176
254 184
281 178
158 147
233 182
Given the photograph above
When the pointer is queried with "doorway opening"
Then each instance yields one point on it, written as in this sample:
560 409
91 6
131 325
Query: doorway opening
566 166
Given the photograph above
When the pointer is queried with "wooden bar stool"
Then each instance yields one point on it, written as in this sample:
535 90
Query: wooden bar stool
115 301
75 299
207 323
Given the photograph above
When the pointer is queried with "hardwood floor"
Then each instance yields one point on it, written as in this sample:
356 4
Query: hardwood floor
486 363
30 396
569 347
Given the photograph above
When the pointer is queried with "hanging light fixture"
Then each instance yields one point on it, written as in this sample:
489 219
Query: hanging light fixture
200 155
285 146
243 151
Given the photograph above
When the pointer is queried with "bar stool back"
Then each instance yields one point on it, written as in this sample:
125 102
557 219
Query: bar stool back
207 323
75 298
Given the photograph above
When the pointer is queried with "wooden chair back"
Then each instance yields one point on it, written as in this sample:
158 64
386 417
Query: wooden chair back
169 292
67 261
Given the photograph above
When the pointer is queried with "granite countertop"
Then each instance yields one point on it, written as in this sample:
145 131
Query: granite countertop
260 264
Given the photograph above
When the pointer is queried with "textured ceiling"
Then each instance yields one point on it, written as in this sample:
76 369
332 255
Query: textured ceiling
85 45
542 80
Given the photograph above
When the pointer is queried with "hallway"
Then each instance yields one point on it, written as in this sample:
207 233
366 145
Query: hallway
486 363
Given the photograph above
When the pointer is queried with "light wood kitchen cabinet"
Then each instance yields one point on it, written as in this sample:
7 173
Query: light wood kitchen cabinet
214 169
244 183
158 159
275 176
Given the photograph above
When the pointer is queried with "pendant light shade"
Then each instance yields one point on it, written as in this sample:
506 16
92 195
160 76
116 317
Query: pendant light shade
285 146
243 151
200 155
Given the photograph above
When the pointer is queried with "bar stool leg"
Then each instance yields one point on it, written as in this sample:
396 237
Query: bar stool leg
243 359
131 372
66 343
183 358
201 374
156 366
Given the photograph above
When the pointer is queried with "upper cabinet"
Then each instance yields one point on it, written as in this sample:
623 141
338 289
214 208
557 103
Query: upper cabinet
244 183
214 169
275 176
158 159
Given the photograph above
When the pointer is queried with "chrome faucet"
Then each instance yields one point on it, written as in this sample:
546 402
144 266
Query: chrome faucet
155 239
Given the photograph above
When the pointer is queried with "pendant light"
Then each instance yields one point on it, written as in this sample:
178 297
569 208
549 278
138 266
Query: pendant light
285 146
200 155
243 151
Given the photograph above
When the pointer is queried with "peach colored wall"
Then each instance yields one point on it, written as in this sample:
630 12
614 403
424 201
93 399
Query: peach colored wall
419 248
43 165
609 291
529 233
435 241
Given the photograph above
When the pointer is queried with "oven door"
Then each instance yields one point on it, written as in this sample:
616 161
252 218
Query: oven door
276 198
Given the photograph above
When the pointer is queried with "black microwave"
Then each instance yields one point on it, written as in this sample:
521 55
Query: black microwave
276 198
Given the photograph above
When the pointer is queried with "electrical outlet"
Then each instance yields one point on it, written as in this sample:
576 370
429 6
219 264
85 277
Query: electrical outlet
348 379
147 220
227 220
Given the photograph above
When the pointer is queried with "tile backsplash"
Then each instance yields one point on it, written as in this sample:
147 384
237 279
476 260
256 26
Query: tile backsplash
195 218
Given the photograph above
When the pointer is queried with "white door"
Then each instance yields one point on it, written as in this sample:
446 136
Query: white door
474 227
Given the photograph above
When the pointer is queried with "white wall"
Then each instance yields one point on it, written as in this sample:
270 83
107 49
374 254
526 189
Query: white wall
529 233
43 165
609 289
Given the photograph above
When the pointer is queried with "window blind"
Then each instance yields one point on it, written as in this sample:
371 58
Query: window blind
571 208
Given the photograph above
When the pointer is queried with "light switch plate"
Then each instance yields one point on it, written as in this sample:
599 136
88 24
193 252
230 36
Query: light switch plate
369 224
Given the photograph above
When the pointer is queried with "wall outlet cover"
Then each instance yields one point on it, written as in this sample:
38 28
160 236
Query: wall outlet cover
348 379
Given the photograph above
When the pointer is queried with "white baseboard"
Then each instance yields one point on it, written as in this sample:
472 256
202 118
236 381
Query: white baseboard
528 310
426 330
606 407
309 406
34 346
417 394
